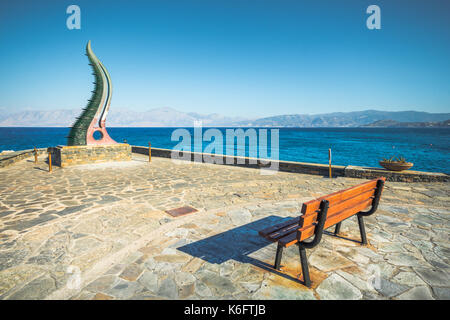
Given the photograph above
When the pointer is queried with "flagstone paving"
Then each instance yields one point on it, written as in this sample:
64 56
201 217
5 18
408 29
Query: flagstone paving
100 232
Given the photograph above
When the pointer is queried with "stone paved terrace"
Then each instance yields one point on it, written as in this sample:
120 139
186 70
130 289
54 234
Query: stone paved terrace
100 232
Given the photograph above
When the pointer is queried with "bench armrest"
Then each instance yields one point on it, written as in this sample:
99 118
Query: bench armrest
376 199
318 231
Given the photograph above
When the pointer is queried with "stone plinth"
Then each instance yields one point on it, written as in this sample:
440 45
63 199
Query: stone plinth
65 156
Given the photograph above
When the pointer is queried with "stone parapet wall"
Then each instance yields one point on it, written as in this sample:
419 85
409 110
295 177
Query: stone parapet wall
308 168
286 166
398 176
65 156
10 158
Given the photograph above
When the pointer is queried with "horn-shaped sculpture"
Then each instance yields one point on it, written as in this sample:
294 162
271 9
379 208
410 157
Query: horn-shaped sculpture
93 117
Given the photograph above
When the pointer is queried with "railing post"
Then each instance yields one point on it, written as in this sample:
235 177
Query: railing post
149 152
35 155
329 162
49 161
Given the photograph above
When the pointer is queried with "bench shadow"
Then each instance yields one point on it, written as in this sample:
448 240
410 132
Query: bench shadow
237 244
37 168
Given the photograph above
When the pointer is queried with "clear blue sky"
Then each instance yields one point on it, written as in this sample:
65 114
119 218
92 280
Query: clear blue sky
238 58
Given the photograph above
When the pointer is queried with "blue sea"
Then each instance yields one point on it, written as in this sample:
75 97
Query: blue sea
428 148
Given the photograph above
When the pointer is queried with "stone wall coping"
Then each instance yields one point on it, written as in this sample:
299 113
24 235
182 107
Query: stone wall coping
14 154
93 146
13 157
405 172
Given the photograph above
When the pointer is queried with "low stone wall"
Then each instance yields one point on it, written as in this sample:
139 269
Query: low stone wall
287 166
399 176
10 158
65 156
303 167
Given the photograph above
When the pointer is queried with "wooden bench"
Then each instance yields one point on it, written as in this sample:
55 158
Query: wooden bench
322 213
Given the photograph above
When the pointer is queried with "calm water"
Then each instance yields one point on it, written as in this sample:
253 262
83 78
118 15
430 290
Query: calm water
428 148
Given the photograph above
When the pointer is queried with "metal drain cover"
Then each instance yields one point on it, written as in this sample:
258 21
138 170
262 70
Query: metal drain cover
181 211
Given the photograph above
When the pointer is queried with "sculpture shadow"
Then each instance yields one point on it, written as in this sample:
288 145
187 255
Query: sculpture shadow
237 244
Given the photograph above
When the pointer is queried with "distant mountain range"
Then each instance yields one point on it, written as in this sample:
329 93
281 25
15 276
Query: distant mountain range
397 124
168 117
345 119
160 117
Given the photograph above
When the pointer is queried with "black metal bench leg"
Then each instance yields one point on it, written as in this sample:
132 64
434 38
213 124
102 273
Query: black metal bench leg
338 228
278 256
362 229
305 269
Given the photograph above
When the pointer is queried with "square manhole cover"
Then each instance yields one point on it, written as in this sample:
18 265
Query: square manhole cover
181 211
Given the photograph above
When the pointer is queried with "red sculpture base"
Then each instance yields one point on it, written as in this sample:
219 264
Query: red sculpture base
103 140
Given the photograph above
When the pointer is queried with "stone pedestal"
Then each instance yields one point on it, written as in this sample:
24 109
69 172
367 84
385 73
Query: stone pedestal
65 156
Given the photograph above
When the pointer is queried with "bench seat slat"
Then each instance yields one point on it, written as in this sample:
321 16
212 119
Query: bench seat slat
288 240
283 232
265 232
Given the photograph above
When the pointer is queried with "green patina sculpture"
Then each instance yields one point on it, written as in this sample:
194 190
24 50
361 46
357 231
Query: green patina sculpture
93 117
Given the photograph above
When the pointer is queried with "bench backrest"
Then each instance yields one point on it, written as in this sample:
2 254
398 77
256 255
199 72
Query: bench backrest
342 204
